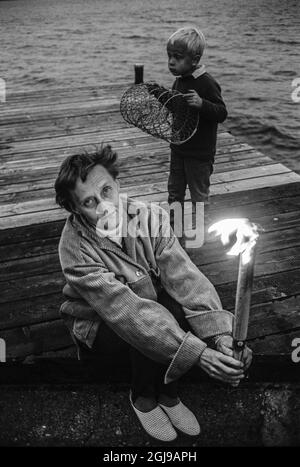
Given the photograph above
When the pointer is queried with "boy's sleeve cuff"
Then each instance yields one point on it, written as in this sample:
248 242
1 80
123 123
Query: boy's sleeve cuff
186 356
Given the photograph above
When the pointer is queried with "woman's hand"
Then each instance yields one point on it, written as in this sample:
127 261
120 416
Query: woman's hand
222 367
225 345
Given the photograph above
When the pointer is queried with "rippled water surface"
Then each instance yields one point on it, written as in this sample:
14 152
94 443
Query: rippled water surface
252 50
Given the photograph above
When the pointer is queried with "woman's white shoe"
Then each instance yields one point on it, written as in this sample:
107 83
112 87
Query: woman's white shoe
183 419
156 423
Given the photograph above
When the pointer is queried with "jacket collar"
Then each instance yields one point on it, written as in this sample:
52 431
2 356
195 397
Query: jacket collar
196 73
199 71
85 229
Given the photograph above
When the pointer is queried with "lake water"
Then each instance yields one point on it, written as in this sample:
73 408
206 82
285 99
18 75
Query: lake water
252 50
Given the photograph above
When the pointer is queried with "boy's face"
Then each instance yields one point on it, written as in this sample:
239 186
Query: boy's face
97 198
179 61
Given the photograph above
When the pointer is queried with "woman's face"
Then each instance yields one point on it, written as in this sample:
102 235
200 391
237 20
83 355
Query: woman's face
97 198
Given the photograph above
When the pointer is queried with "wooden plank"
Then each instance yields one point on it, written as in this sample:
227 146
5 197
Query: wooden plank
214 251
267 288
148 147
26 249
39 257
141 174
65 124
53 159
43 263
273 317
70 141
47 124
158 191
66 91
283 228
126 141
287 194
129 166
133 144
44 240
62 126
40 212
31 310
280 343
36 339
13 119
286 259
263 194
289 217
33 130
45 203
59 110
130 157
32 286
218 272
35 104
31 232
34 218
284 220
38 308
16 193
249 172
26 267
280 214
123 136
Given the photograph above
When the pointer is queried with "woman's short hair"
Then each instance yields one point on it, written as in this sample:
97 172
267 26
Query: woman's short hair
192 39
79 165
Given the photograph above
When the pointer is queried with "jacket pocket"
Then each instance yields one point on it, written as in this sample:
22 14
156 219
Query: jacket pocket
144 288
81 328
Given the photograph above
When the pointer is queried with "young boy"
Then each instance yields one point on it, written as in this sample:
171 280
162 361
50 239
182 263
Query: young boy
192 161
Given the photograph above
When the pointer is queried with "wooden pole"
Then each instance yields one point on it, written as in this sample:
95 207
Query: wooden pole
138 73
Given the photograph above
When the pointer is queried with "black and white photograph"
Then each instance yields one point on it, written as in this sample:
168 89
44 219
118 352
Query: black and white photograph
149 227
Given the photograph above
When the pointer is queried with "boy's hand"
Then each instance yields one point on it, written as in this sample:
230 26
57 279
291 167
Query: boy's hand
193 99
225 345
221 367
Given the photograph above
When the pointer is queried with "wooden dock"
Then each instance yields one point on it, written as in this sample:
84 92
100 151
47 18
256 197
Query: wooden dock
38 130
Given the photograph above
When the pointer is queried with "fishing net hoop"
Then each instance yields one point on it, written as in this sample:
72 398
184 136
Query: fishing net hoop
160 112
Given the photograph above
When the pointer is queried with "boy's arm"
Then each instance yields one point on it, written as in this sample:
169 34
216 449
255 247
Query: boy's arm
211 106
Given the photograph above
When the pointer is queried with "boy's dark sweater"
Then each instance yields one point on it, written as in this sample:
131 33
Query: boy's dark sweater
213 111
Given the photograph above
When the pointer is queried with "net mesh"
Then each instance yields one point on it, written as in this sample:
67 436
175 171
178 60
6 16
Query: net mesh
161 112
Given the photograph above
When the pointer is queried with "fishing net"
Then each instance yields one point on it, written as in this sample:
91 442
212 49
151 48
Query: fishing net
161 112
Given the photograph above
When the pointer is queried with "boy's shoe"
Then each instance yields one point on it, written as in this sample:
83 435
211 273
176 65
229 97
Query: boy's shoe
183 419
156 423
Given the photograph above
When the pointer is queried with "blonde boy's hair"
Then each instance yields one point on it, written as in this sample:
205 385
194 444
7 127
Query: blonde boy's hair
192 39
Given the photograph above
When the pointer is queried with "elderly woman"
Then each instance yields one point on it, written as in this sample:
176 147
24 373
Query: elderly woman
130 286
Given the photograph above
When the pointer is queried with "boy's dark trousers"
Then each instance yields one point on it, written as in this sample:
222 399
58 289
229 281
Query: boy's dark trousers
192 172
147 375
